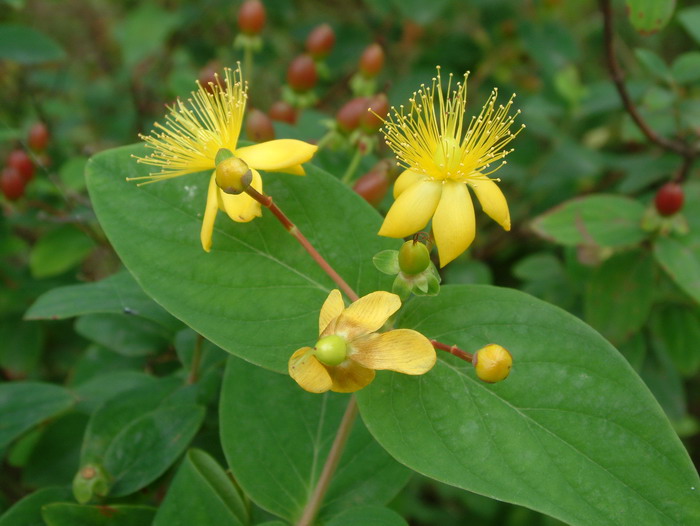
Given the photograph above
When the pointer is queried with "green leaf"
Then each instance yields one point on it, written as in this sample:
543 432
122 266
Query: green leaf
368 516
69 514
123 334
290 432
201 493
619 295
27 46
72 173
117 294
26 404
144 31
102 387
676 328
573 432
135 437
653 63
690 20
27 512
280 288
686 68
680 258
58 251
649 16
604 220
21 344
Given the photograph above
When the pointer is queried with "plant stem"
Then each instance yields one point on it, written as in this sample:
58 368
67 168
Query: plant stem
454 350
196 360
352 167
332 461
247 63
290 227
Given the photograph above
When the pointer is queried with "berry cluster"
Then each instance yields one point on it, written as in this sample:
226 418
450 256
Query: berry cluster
19 168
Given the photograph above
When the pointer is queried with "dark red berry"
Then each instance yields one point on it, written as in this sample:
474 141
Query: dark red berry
251 17
38 137
374 185
208 76
12 183
301 75
348 117
20 160
320 41
258 126
378 105
372 60
669 199
283 111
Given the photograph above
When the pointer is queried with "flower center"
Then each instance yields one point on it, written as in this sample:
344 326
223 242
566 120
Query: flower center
331 350
448 158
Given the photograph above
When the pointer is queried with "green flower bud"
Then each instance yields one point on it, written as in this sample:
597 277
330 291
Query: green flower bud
90 482
492 363
232 174
331 350
414 257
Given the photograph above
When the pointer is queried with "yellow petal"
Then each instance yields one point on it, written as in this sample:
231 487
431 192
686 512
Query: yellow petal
332 308
401 350
492 201
279 156
210 212
412 209
453 223
406 179
349 377
294 170
242 208
308 372
367 314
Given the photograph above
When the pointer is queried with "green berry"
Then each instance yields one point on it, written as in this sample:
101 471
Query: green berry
331 350
414 257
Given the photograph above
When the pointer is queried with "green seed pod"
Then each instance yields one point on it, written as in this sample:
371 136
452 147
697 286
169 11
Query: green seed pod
232 174
414 257
331 350
492 363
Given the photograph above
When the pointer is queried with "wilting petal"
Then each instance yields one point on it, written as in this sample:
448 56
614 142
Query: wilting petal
349 377
412 209
332 308
242 208
278 155
453 223
210 212
401 350
492 201
367 314
308 372
407 178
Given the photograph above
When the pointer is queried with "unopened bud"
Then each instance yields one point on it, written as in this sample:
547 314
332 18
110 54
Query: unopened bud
232 174
492 363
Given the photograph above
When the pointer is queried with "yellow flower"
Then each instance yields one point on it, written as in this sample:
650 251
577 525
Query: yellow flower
440 157
195 132
349 350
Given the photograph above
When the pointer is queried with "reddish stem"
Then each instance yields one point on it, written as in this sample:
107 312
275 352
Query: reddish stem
453 349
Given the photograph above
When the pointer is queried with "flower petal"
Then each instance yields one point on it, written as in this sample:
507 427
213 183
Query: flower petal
453 223
349 377
308 372
407 178
401 350
367 314
332 308
242 208
280 155
412 209
492 201
210 212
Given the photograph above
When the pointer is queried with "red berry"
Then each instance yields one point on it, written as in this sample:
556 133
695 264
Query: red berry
20 160
378 104
259 127
372 60
283 111
320 41
669 199
348 117
38 137
207 76
12 183
251 17
301 75
374 185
